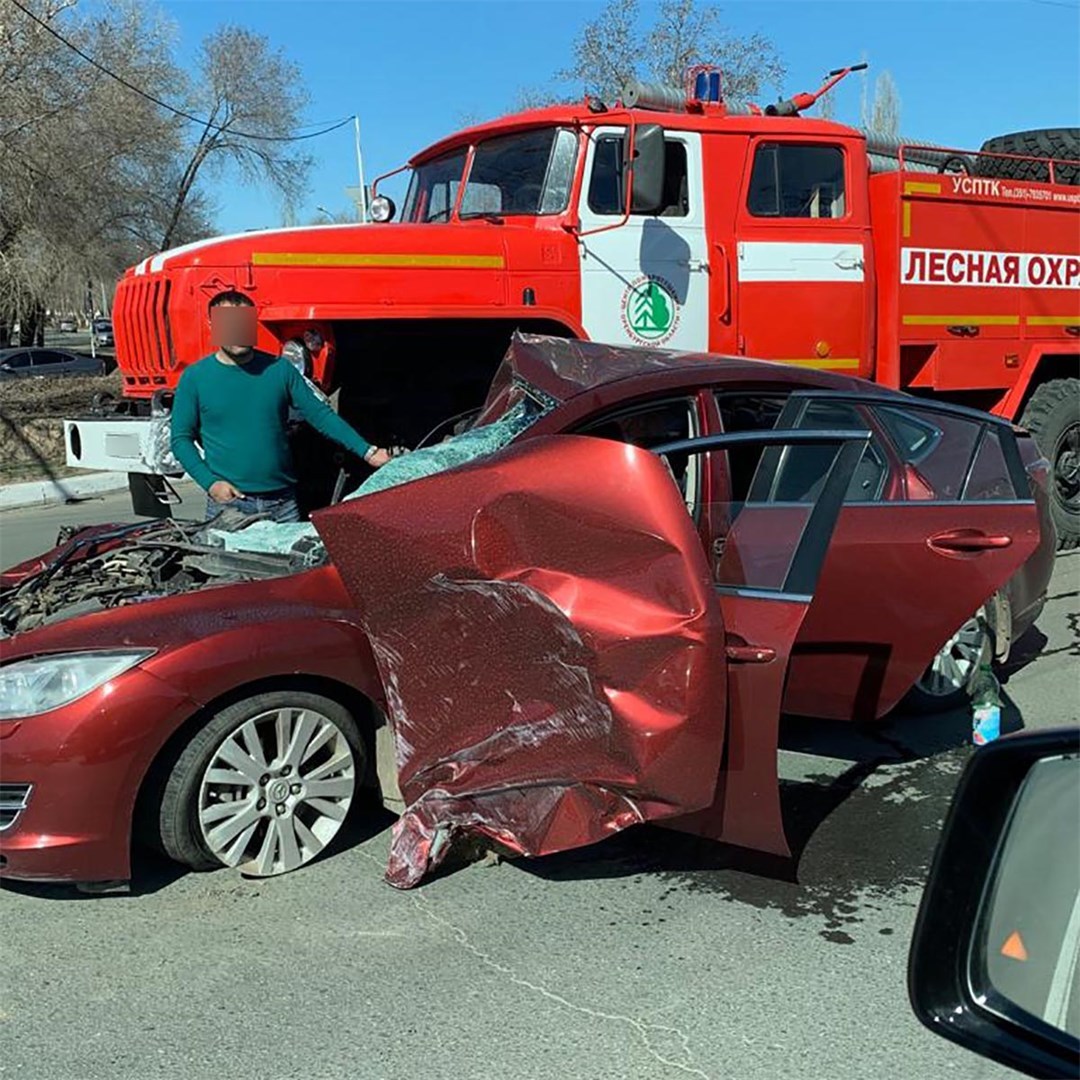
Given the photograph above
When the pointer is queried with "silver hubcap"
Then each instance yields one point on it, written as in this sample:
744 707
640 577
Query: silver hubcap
277 791
952 667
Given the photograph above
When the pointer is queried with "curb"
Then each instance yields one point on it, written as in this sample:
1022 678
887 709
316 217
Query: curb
68 489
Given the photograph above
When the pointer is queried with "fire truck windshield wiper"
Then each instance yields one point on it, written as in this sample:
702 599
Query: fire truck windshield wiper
486 215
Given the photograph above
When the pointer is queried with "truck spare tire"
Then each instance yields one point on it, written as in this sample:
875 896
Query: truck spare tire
1062 144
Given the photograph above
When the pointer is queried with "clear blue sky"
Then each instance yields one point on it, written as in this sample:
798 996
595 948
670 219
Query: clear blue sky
415 71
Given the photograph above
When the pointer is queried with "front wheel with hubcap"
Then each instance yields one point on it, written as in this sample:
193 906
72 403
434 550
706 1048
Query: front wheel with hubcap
944 684
264 786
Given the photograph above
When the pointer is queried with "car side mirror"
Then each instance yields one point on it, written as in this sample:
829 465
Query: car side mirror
645 172
995 959
6 367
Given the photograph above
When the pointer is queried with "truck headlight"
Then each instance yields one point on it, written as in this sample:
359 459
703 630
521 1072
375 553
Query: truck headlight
381 208
40 683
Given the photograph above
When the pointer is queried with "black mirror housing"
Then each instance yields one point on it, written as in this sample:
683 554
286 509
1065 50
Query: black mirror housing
646 171
948 981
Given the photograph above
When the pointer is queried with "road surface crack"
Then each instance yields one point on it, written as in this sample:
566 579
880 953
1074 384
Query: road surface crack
647 1032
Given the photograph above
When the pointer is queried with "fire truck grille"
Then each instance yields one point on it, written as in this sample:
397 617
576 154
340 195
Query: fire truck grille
144 343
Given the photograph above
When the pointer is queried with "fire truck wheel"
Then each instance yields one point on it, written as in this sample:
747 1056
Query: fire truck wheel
1043 143
1053 417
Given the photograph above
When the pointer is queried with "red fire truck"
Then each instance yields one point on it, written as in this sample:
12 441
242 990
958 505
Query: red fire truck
672 219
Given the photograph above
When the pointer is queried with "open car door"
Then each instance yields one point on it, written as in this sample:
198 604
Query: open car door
555 656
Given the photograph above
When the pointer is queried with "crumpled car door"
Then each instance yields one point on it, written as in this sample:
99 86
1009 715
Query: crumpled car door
549 642
554 652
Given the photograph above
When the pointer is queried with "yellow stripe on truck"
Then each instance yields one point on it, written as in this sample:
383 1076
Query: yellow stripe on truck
825 364
1053 320
921 187
395 259
961 320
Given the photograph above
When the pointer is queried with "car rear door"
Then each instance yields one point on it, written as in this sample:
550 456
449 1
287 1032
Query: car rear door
905 572
555 656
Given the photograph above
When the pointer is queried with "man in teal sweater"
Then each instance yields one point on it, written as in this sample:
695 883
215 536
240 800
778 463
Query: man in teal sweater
235 403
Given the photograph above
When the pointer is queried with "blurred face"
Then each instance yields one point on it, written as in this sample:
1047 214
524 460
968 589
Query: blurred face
232 329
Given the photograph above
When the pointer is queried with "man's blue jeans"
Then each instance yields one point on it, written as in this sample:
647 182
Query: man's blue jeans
279 505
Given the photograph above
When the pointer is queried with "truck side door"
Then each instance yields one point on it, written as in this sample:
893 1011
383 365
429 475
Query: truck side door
644 282
803 264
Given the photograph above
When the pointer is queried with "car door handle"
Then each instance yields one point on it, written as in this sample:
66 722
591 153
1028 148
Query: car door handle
750 654
968 542
850 264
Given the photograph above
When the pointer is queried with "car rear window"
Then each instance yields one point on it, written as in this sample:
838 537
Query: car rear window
989 479
936 449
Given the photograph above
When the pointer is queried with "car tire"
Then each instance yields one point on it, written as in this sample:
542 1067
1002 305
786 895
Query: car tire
1052 415
944 684
236 796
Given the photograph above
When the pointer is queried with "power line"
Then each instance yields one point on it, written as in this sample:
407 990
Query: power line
164 104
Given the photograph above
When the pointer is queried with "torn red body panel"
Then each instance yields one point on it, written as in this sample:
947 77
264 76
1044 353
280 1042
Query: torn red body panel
587 632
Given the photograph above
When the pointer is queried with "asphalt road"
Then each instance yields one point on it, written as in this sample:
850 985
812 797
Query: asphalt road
646 957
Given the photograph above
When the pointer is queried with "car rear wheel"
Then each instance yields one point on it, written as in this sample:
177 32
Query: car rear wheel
944 684
264 786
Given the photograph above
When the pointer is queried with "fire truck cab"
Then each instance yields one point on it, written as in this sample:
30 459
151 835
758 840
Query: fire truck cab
682 222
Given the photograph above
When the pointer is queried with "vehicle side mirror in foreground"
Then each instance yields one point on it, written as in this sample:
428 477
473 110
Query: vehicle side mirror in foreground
995 959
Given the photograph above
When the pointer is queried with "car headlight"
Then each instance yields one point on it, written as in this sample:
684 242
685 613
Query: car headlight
33 686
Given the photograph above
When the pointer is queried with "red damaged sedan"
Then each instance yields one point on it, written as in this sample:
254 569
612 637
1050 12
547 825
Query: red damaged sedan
586 611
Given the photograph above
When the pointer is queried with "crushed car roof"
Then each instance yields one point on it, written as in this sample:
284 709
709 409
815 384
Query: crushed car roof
565 368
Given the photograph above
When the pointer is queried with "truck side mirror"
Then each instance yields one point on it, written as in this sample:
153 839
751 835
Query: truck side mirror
645 172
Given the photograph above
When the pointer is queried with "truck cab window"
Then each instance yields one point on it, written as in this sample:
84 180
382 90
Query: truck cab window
790 180
434 187
529 172
606 194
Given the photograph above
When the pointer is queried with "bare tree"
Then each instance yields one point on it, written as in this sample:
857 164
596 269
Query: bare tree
617 45
85 163
252 97
881 114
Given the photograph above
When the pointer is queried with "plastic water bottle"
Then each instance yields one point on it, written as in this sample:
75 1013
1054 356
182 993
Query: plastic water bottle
985 706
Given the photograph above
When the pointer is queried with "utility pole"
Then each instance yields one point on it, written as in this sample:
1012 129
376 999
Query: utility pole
362 202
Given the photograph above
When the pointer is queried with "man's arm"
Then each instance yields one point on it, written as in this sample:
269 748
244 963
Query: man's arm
320 416
185 426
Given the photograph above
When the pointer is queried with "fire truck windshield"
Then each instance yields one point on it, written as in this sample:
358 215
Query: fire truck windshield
528 172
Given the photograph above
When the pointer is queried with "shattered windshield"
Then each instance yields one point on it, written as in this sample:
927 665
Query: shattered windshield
524 406
528 172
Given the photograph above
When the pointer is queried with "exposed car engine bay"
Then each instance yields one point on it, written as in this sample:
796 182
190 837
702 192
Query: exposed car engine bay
94 569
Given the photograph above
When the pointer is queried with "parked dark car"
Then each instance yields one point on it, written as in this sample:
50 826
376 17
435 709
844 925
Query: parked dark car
582 613
68 326
34 362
